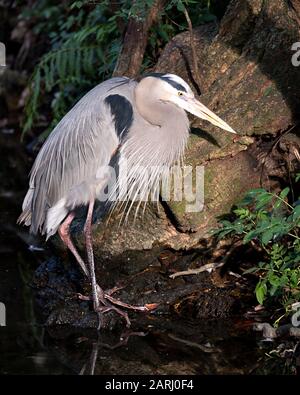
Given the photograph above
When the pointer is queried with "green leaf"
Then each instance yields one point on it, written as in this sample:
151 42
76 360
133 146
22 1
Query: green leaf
36 88
250 236
224 233
277 204
77 4
180 6
256 191
163 33
296 213
251 270
280 199
268 91
274 280
263 200
260 292
226 223
246 201
273 290
242 212
283 194
267 236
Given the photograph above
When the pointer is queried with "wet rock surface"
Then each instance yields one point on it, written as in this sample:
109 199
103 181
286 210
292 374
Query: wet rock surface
202 296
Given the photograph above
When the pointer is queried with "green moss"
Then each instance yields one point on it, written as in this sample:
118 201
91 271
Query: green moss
268 91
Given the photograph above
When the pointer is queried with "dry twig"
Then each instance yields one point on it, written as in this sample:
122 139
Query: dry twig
194 55
207 267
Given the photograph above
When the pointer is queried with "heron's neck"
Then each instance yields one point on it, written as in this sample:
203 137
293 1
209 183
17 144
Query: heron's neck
166 130
155 141
157 112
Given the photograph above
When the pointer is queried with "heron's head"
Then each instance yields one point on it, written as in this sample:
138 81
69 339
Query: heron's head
173 89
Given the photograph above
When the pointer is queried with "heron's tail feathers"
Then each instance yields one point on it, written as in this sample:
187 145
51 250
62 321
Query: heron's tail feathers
55 216
25 218
38 216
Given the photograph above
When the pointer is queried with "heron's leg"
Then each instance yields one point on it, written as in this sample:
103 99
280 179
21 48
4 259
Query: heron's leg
97 291
99 295
64 233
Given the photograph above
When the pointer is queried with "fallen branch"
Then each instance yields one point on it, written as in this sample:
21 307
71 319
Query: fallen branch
207 267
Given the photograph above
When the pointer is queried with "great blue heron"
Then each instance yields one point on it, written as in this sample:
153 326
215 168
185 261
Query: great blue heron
143 122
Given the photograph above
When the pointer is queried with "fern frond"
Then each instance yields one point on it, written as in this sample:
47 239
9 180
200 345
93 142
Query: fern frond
66 72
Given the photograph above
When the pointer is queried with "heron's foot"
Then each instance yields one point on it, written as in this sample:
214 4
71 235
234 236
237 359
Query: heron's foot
103 306
109 292
106 302
111 304
123 314
106 297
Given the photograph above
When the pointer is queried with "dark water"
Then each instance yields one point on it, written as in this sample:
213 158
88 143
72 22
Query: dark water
164 347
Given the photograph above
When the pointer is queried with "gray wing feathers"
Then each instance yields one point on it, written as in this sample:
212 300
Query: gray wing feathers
67 164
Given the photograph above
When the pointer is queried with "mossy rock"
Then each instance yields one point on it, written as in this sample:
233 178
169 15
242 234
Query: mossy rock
248 79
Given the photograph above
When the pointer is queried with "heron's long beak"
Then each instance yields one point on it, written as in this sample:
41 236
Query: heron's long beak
195 107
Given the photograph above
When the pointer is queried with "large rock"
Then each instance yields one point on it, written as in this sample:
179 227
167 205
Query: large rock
248 79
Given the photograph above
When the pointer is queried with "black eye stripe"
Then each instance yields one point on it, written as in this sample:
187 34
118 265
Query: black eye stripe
175 85
163 77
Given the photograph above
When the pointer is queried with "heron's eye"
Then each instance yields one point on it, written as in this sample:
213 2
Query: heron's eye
180 93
